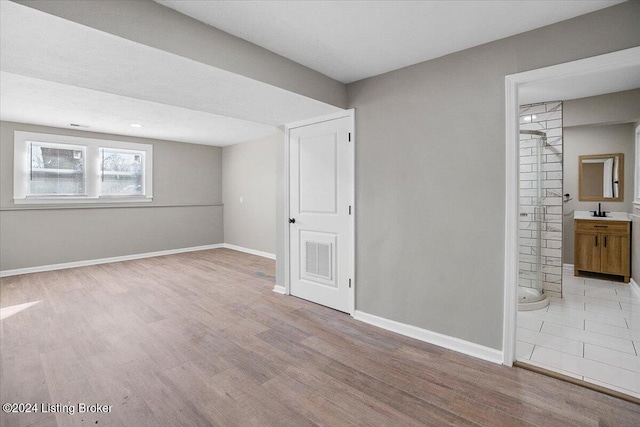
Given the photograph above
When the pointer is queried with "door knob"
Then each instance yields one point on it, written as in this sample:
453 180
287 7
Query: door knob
292 220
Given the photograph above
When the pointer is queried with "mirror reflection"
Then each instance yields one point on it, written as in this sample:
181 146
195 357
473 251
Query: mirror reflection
601 177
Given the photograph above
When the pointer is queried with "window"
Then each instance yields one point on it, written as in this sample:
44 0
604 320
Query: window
121 172
66 169
56 169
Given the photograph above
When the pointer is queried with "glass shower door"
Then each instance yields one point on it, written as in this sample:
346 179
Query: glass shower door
532 217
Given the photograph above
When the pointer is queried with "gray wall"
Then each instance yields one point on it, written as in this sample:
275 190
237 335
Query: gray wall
152 24
186 210
249 171
430 175
581 140
617 107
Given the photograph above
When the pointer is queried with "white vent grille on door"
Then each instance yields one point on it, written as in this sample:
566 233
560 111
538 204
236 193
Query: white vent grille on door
318 259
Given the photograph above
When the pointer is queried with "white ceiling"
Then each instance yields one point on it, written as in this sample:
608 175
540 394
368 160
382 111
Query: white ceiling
46 60
46 103
56 72
352 40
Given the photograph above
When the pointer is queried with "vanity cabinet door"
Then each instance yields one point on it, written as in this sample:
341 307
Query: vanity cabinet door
615 254
603 247
587 255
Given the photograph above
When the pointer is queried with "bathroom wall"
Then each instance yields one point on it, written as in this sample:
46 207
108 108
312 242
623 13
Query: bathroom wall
610 108
635 218
546 117
598 125
635 238
581 140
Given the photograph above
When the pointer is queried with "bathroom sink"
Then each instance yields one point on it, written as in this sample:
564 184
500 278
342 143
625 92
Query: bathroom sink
611 216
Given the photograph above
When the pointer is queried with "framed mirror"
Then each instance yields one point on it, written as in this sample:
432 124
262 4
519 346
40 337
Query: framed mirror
601 177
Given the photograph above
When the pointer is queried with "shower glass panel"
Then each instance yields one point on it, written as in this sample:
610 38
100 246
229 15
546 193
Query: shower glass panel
532 217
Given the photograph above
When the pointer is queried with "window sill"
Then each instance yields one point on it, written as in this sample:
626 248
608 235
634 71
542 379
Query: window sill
82 200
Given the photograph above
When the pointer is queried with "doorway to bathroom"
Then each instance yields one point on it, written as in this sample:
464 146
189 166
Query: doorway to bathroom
563 337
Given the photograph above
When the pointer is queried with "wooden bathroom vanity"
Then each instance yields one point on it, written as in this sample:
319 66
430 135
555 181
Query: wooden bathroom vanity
603 245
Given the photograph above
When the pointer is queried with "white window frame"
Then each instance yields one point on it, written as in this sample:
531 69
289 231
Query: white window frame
22 166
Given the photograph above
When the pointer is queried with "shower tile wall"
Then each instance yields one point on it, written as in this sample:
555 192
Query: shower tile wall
546 117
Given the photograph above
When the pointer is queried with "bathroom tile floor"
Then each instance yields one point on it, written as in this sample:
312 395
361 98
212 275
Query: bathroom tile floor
592 333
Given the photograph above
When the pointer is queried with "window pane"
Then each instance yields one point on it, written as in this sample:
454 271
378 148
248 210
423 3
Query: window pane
121 172
57 170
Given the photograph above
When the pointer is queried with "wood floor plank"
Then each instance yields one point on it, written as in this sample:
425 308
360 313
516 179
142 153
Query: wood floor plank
21 375
360 408
200 339
360 372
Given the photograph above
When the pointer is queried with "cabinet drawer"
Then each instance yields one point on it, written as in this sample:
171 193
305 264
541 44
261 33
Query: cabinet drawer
603 226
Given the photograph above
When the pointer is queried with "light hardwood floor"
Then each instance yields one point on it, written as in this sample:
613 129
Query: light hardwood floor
200 339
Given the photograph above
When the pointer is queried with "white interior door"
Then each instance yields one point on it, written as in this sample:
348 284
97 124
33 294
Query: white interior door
320 198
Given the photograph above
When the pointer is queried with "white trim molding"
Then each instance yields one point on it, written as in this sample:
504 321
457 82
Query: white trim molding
596 64
325 118
634 287
280 289
85 263
249 251
510 300
568 266
636 182
446 341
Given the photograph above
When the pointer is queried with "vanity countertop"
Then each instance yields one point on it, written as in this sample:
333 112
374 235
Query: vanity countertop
611 216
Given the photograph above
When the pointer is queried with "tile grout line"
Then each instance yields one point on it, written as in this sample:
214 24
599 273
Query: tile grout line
611 309
609 335
583 349
532 350
600 310
593 361
565 327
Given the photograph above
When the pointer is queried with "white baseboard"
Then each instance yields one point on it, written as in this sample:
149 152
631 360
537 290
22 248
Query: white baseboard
568 266
249 251
634 287
280 289
84 263
455 344
62 266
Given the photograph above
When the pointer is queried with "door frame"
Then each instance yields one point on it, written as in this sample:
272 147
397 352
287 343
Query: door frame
352 181
606 62
636 174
